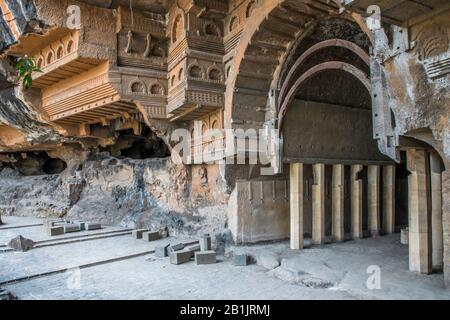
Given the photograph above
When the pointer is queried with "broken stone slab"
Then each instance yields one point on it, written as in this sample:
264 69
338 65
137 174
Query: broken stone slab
175 247
20 243
193 247
240 260
137 233
92 226
268 261
205 242
71 228
150 235
55 231
161 251
205 257
179 257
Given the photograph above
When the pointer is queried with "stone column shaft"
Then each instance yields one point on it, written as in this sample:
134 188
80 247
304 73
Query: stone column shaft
389 199
356 197
373 199
419 244
296 205
437 240
338 203
318 204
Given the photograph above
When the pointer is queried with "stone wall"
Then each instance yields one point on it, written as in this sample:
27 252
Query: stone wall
127 192
259 210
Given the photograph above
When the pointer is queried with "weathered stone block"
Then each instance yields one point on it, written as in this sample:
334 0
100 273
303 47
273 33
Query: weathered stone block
52 222
205 242
92 226
161 251
175 247
404 236
193 248
179 257
151 235
55 231
240 260
81 224
205 257
137 234
71 228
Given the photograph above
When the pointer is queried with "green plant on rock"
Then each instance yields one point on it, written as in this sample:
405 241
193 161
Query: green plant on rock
26 66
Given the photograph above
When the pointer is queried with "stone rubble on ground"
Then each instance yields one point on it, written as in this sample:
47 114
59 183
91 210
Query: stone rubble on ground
150 235
205 257
161 251
20 243
137 233
55 231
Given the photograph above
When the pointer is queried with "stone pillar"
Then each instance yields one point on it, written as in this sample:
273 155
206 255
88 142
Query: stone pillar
446 224
337 199
318 204
436 212
296 205
419 244
356 198
373 199
389 199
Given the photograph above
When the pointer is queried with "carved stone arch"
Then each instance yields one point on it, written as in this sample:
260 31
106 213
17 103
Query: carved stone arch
311 51
177 22
250 8
239 103
40 61
157 88
70 46
215 122
50 57
432 40
205 126
234 23
217 71
330 65
285 67
137 86
196 71
212 29
60 51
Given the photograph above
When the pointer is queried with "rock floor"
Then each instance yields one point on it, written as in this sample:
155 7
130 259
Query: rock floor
96 266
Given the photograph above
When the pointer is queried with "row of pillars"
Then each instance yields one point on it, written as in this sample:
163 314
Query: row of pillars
356 207
425 211
417 198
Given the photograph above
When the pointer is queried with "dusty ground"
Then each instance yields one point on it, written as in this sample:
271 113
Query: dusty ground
116 266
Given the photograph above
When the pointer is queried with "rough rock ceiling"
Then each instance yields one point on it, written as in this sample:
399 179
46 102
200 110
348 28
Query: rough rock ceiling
399 11
157 6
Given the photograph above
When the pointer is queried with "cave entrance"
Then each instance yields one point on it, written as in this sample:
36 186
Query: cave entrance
146 145
35 163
